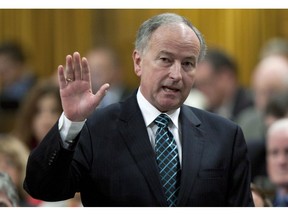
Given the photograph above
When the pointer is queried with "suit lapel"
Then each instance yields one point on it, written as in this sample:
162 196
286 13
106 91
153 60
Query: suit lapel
192 147
139 145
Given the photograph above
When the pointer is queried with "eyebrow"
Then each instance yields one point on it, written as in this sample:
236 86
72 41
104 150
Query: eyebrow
171 54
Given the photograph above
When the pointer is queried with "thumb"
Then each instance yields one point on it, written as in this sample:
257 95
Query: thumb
101 93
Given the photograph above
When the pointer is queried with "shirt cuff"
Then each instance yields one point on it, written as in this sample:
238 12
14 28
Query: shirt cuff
69 130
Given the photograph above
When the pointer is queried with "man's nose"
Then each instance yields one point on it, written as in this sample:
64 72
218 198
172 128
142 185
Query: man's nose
175 71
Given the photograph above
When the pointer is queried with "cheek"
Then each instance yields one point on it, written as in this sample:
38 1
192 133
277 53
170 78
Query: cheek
188 79
36 123
38 127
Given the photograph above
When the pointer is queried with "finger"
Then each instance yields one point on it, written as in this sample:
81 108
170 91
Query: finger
86 76
69 68
77 65
61 77
101 93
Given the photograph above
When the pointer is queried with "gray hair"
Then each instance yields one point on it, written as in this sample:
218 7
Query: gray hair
9 189
149 26
279 125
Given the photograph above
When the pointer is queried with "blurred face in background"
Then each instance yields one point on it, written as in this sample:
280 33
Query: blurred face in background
9 71
277 157
210 84
270 77
47 114
102 67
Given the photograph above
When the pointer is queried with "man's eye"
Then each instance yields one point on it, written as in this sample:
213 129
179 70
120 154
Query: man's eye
188 64
273 153
165 59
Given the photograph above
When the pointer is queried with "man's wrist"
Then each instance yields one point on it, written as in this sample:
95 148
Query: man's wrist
69 131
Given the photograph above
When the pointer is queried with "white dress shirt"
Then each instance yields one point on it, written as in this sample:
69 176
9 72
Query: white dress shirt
150 113
69 130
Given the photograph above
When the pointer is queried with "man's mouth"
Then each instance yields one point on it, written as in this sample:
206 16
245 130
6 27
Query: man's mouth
170 89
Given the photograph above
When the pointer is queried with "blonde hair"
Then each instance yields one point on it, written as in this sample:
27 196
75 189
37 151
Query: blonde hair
18 152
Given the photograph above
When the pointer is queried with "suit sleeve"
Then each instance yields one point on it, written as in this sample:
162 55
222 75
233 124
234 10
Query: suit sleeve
239 188
51 172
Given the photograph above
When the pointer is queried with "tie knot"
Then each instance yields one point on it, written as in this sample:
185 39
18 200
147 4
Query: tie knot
162 121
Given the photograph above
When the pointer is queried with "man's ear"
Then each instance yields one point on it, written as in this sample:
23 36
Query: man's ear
137 62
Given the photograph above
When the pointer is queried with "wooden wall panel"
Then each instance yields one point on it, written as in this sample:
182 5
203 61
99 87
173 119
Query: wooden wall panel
50 34
47 34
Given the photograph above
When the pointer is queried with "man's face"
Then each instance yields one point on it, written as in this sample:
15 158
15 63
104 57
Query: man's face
167 66
277 157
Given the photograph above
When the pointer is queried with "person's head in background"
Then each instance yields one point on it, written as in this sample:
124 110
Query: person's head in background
8 192
13 159
217 77
38 113
277 156
270 77
15 76
270 74
105 67
276 108
12 63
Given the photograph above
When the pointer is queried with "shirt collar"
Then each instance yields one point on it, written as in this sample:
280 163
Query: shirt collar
149 112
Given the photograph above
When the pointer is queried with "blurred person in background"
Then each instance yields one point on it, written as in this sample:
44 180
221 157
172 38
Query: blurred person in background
16 79
277 160
106 68
217 80
270 77
8 192
259 197
38 113
13 159
277 108
41 109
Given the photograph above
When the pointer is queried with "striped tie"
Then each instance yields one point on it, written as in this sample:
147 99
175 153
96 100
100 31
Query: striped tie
167 159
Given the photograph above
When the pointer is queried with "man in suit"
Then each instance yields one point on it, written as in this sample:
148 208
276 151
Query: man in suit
110 155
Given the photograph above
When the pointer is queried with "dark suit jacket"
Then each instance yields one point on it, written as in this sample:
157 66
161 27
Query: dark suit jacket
114 163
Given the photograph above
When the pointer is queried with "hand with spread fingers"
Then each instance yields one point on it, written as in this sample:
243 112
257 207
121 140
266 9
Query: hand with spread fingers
78 100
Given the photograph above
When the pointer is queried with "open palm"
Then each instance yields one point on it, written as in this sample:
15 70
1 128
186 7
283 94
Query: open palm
78 100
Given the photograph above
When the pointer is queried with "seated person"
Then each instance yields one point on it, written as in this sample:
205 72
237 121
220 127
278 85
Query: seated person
8 192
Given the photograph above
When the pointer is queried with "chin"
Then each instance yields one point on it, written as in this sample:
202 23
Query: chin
166 107
282 182
167 103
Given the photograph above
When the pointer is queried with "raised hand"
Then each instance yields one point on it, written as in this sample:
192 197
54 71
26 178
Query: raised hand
78 100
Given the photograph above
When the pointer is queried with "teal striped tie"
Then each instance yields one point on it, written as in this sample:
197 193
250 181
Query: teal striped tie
167 159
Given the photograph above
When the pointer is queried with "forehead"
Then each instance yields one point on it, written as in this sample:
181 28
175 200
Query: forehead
176 35
278 139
